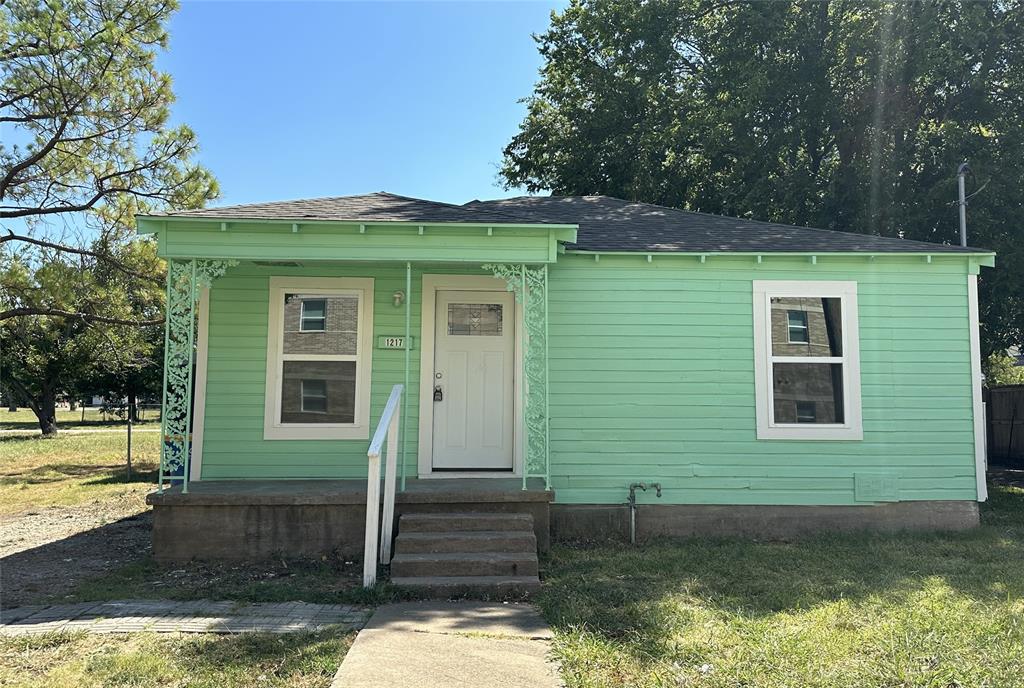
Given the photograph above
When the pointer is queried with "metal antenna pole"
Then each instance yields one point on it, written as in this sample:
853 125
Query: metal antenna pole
961 173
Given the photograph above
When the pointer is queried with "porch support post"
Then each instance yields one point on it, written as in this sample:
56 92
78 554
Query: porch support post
530 286
408 351
184 279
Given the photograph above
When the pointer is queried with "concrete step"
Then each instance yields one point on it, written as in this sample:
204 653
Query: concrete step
483 587
468 521
466 541
465 564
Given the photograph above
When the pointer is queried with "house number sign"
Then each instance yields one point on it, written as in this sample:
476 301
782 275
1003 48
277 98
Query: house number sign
393 342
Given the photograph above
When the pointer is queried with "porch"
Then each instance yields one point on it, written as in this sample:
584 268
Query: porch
252 519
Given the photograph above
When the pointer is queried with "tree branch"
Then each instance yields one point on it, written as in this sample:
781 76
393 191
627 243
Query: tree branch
11 236
86 317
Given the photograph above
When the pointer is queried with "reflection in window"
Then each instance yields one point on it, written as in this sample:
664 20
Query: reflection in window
808 392
806 326
806 412
475 319
313 315
318 391
798 327
321 325
314 396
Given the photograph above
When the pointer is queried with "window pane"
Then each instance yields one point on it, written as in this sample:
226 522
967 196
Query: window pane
321 324
806 326
314 396
474 319
808 392
325 389
797 327
313 315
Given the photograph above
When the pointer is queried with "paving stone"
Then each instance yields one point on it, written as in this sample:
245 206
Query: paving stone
168 616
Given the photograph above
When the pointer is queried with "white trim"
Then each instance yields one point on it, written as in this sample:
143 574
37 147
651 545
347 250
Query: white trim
195 471
358 430
767 429
425 459
978 410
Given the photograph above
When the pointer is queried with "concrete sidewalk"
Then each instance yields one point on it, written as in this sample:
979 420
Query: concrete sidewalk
170 616
444 644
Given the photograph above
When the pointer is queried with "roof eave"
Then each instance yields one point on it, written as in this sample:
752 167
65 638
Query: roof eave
351 221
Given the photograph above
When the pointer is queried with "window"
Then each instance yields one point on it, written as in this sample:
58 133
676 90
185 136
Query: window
318 358
313 315
806 412
806 360
798 333
474 319
314 396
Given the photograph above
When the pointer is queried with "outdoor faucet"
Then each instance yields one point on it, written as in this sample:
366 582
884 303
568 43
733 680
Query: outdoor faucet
632 505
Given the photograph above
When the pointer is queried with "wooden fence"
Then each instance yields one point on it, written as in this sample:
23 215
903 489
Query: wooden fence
1005 414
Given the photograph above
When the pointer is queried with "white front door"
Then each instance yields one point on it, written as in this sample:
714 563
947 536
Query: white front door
474 360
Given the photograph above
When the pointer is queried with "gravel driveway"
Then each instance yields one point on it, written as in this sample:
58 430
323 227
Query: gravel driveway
46 553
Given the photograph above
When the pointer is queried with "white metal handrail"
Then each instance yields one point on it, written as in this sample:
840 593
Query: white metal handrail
387 429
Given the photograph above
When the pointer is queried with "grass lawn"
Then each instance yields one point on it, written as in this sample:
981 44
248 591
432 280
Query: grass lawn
24 419
145 660
69 470
939 610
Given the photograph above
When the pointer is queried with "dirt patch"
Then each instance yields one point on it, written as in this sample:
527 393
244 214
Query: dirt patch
44 554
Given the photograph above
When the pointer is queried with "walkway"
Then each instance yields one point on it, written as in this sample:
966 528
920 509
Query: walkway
168 616
449 644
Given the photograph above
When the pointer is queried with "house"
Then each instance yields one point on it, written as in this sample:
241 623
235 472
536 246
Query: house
553 351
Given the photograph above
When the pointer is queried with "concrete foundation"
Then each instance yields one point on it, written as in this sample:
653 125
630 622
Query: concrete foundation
251 520
607 522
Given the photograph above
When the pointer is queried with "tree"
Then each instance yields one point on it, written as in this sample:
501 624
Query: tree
1001 369
90 113
844 115
43 358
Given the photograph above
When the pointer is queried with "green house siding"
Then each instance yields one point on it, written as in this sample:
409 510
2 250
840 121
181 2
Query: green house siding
652 379
233 444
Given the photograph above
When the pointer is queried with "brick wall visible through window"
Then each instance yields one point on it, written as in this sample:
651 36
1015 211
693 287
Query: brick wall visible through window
342 330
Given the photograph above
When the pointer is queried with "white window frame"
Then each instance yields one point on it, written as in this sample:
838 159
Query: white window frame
362 288
767 429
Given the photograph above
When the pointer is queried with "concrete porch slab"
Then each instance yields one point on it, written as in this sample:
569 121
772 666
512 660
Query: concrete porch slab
350 492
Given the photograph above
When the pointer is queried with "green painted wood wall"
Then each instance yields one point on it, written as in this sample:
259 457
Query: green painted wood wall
652 379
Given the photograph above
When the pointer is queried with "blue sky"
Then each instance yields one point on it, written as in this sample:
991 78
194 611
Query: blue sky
296 99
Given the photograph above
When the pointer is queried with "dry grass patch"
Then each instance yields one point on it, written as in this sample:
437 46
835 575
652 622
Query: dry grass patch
929 610
69 470
144 660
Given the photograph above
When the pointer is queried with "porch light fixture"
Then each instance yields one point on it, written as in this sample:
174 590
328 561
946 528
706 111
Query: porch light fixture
398 298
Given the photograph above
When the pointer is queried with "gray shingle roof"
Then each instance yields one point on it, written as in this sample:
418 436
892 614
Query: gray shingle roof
373 207
605 223
612 224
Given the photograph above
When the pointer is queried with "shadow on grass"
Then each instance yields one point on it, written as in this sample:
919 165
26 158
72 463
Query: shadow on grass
108 474
119 476
331 580
52 569
625 593
283 656
77 424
